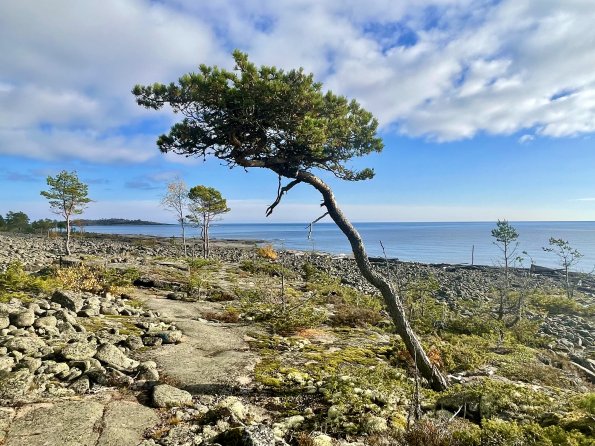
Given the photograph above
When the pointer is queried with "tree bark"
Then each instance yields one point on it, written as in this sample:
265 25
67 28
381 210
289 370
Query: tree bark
183 236
395 307
68 235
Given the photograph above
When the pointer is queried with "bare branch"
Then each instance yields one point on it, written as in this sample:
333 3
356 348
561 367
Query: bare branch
309 227
280 192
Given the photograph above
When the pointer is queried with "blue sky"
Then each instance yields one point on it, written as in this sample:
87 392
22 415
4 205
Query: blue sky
487 108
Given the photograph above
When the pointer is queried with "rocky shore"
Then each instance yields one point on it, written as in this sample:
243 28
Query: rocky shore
180 369
456 283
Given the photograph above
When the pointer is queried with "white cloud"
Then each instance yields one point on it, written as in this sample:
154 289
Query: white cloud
443 69
71 66
526 138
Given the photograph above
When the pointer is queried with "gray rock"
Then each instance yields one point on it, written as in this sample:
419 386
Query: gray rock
16 386
25 344
148 371
113 357
68 299
23 319
258 435
125 422
165 395
6 363
32 364
4 321
81 385
134 342
152 341
46 322
65 423
169 337
79 351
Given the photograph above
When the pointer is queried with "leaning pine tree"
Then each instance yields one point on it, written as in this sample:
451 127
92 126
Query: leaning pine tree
268 118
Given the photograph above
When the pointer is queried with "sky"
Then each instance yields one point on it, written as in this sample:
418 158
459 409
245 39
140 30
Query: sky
486 108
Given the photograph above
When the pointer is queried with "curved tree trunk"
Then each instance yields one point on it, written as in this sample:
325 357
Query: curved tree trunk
395 307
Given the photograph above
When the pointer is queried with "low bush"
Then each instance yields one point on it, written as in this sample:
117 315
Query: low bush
16 282
229 315
352 316
560 304
266 267
267 252
197 264
295 313
94 279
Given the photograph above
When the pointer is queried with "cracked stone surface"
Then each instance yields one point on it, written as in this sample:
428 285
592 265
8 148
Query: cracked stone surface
211 356
86 422
125 423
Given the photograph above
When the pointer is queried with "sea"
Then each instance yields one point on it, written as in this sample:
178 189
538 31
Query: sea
449 242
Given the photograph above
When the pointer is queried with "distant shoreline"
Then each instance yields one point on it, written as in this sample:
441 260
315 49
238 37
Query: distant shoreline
118 222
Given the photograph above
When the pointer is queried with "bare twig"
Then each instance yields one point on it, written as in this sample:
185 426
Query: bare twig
280 192
309 227
385 260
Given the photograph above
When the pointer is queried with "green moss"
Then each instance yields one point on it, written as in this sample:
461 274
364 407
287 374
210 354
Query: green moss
587 403
488 398
126 325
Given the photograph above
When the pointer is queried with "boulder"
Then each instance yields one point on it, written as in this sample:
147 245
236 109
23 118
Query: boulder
134 342
15 386
165 395
4 321
112 356
81 385
258 435
169 337
152 341
322 440
25 344
68 299
46 322
148 371
22 319
6 363
79 351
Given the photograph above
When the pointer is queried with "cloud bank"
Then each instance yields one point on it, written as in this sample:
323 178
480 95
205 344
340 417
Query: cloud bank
443 70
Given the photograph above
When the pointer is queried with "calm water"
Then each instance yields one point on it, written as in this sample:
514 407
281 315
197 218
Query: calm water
422 242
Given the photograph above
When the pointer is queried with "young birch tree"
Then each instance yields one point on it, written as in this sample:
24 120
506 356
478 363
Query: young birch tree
567 257
68 197
206 205
282 121
175 200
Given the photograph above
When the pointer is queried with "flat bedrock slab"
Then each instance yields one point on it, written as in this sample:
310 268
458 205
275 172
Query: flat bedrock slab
80 423
67 423
125 422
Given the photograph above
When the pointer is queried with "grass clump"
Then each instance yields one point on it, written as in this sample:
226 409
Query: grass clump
198 264
229 315
266 268
15 282
560 304
283 315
